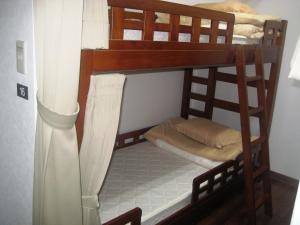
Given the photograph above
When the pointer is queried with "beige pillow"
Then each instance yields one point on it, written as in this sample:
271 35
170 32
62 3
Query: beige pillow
208 132
166 129
254 19
228 6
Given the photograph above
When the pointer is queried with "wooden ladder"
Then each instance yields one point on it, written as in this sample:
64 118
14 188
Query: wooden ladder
261 171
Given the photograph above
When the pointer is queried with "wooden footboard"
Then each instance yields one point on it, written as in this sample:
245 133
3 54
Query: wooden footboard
209 190
132 217
215 179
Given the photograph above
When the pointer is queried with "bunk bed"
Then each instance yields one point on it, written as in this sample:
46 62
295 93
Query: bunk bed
208 186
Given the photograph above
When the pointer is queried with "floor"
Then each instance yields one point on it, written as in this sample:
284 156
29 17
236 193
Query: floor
232 212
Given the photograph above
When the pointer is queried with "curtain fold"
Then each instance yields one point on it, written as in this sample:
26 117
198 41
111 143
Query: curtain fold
95 24
57 192
295 63
100 130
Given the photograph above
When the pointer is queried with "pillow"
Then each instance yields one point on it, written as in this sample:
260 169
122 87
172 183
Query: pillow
254 19
227 6
208 132
166 129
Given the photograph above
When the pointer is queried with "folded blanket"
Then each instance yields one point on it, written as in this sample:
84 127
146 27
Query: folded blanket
254 19
245 30
249 31
228 6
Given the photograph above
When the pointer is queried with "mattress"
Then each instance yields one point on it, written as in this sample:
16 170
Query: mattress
163 36
145 176
204 162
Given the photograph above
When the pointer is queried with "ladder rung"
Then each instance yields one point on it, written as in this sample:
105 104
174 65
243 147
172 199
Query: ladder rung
255 111
260 201
258 141
258 172
252 79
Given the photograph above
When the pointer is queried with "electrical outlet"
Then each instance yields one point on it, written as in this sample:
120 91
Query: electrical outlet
22 91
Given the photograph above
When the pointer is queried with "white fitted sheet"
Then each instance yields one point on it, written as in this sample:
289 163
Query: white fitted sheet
145 176
204 162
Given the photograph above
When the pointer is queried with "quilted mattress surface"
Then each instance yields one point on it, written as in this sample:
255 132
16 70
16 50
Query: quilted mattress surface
145 176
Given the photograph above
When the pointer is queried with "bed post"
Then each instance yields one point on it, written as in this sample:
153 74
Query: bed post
186 92
86 70
276 66
210 93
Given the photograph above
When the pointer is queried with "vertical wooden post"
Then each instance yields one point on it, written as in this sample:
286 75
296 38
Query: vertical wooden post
246 134
86 70
214 32
174 23
117 22
274 75
186 92
210 93
196 30
149 19
229 33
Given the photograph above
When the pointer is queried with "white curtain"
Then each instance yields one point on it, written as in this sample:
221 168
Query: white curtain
57 193
295 63
102 113
100 130
95 24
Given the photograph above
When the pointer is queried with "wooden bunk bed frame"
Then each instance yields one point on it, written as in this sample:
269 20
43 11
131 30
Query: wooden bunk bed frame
147 54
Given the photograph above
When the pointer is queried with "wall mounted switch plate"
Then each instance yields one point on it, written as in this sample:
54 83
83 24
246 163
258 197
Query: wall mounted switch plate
21 52
22 91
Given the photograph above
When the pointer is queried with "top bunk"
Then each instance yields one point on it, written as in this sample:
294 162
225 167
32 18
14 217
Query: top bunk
208 38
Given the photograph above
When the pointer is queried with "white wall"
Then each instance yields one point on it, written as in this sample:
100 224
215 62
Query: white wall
150 99
16 115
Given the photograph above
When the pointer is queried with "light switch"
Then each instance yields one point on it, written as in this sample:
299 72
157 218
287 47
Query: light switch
21 57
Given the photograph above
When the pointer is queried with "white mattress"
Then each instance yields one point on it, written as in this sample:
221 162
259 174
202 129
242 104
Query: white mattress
204 162
157 181
163 36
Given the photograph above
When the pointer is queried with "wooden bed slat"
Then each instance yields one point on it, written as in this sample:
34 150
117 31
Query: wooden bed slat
230 78
117 23
229 32
149 25
174 33
134 15
199 80
163 27
133 25
214 32
197 113
211 89
196 30
185 105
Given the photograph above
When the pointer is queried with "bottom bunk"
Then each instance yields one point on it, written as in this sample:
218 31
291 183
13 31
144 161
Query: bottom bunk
167 185
145 176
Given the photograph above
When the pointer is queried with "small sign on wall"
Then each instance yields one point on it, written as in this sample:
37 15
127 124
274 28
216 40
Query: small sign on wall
22 91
